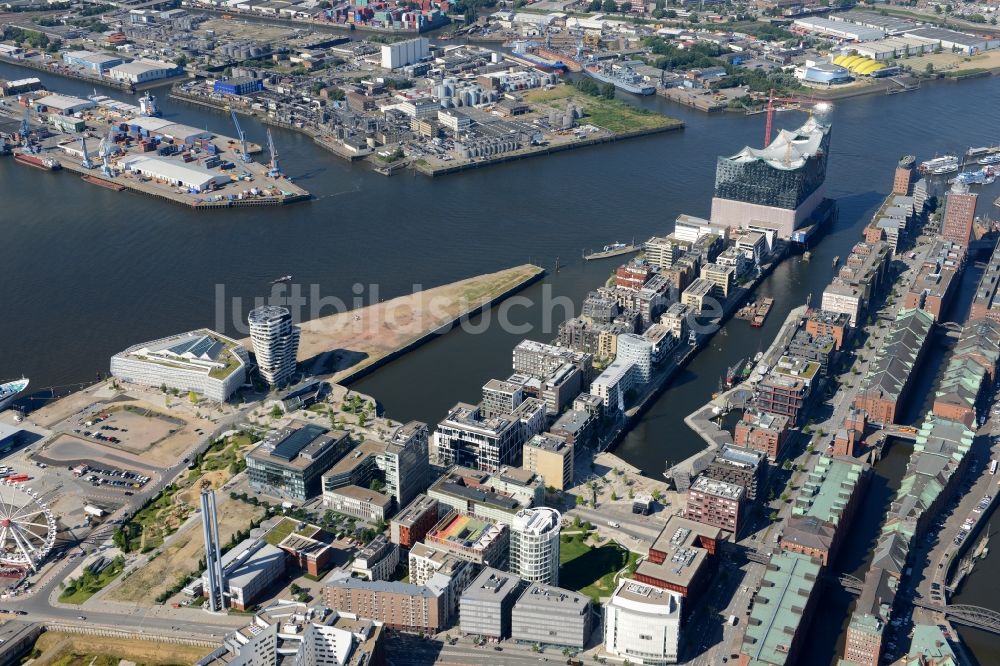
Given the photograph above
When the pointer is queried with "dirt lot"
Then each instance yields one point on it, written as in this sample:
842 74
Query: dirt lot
239 29
946 62
181 556
361 337
55 647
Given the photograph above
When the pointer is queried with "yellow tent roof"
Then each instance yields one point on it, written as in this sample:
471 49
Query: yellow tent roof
839 60
853 62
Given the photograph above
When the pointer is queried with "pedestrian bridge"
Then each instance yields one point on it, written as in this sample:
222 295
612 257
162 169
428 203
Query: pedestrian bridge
970 616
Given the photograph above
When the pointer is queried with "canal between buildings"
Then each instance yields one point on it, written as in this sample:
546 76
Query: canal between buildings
90 271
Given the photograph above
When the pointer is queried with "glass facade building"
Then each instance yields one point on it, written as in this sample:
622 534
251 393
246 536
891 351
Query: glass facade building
783 175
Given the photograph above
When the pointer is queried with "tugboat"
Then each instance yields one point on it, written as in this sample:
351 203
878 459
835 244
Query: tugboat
734 373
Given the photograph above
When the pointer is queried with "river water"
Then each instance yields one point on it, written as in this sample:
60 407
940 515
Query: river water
88 272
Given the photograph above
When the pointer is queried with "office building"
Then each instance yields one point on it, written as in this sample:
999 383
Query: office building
903 178
202 361
540 360
359 502
639 351
780 185
699 296
534 545
406 52
411 524
782 608
214 583
863 646
486 604
551 457
308 552
959 214
679 558
722 278
764 432
494 497
821 323
614 383
500 398
275 343
664 251
290 462
824 507
738 465
293 632
642 623
472 539
465 437
552 616
715 503
376 561
402 606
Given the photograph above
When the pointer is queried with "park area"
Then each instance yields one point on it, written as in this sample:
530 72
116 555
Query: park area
591 565
54 648
609 114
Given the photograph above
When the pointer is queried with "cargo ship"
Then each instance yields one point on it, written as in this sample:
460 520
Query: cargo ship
622 76
10 391
44 163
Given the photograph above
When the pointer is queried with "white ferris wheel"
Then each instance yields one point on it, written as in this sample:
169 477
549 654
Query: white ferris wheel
27 527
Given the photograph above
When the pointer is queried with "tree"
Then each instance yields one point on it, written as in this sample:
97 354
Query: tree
181 61
609 6
626 7
670 14
657 14
276 412
193 397
608 91
937 9
594 6
614 496
580 500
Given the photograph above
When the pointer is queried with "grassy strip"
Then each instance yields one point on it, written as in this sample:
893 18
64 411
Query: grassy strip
78 590
610 114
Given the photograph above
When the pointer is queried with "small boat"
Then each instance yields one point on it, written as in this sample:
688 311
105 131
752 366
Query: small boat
990 159
836 260
283 278
948 168
734 373
10 390
807 255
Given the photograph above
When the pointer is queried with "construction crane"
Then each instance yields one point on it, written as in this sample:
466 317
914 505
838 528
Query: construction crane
241 136
771 99
87 164
274 171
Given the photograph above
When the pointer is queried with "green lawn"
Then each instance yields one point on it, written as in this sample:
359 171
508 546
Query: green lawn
78 590
591 570
280 531
610 114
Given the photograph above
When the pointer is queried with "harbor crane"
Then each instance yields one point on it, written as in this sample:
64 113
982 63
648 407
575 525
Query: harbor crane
804 101
87 164
106 149
274 171
241 136
25 132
